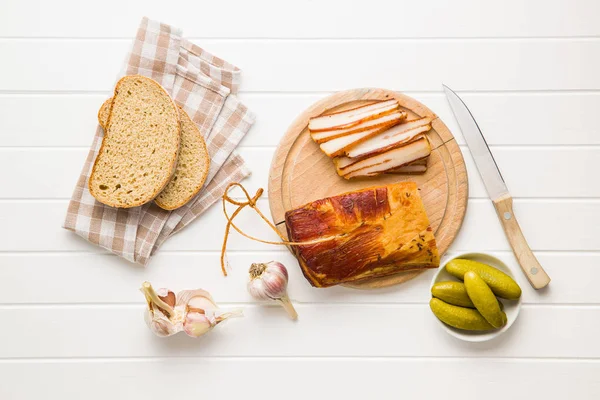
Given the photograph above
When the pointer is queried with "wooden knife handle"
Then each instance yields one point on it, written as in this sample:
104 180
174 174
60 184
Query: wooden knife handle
529 264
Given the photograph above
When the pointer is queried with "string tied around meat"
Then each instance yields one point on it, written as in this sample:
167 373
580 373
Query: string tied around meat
251 202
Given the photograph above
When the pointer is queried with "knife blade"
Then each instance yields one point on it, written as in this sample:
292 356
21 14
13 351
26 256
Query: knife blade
496 189
488 169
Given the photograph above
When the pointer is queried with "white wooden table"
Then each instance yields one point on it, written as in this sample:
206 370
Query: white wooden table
72 325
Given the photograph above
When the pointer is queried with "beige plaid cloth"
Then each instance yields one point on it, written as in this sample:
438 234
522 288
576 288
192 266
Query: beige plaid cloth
205 87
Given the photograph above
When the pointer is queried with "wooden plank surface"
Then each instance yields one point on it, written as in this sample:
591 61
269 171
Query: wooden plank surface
344 330
35 226
530 172
555 118
328 19
529 73
97 379
81 278
327 65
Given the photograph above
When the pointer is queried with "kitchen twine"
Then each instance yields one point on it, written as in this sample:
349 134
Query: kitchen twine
251 202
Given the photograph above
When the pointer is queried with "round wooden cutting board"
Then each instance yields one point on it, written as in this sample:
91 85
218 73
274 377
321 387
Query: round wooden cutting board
301 173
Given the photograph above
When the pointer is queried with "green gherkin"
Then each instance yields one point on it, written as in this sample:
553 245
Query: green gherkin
452 292
484 299
501 284
459 317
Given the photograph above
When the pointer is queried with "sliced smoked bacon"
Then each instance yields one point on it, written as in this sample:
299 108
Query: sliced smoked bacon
352 117
374 232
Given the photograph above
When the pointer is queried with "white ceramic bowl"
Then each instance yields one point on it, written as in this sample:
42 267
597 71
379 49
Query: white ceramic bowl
511 307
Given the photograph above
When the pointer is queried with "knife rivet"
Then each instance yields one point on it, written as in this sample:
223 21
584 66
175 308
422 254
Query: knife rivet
507 215
533 271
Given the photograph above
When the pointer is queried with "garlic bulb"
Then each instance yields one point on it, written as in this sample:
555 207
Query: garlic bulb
191 311
268 281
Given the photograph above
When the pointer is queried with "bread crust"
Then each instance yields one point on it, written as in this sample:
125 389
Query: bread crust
104 108
173 163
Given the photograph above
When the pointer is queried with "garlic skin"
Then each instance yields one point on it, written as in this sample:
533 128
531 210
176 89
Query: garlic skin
268 281
191 311
159 324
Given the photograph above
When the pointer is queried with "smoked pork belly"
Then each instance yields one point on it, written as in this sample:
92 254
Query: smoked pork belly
390 138
354 116
372 233
392 118
340 145
415 167
390 160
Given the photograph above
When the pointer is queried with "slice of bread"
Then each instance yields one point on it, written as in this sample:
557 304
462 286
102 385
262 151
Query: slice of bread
140 147
192 167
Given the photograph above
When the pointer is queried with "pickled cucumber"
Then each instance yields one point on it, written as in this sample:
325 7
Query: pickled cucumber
501 284
501 305
453 293
484 299
459 317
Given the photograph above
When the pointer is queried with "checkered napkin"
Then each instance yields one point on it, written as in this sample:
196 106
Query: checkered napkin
205 87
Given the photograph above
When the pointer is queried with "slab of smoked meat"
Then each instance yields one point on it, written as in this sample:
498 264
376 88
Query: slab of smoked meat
373 232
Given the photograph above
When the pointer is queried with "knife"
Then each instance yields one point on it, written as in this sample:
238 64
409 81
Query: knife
497 190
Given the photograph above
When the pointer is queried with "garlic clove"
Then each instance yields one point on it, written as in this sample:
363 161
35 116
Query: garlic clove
155 302
197 324
160 316
167 296
184 296
191 311
197 299
160 325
